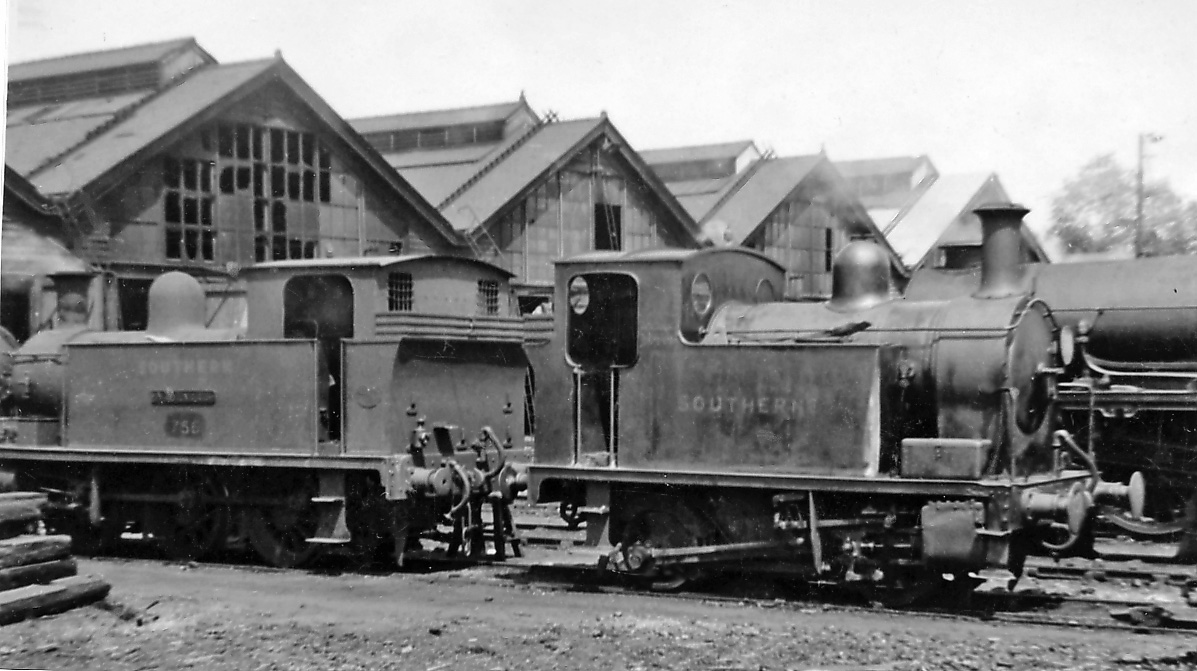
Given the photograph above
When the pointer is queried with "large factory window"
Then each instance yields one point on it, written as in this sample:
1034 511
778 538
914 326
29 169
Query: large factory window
277 173
189 228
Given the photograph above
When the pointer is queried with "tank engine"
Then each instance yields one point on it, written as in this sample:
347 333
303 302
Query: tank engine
369 403
1130 392
871 438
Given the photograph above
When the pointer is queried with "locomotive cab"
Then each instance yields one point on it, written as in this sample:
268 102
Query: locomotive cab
359 311
626 308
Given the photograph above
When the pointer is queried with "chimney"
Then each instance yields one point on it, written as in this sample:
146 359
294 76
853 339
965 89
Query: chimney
1001 240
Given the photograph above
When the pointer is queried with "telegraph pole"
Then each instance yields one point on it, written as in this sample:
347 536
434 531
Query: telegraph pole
1144 138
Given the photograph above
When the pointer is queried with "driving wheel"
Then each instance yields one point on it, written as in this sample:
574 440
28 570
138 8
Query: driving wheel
195 523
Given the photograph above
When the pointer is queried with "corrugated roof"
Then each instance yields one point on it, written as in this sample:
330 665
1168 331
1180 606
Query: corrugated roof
879 166
534 156
925 224
434 118
77 108
96 60
702 152
761 192
148 123
434 157
697 187
38 133
699 196
30 146
435 183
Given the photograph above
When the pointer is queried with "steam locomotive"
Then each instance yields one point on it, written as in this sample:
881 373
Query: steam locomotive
1130 394
368 404
875 439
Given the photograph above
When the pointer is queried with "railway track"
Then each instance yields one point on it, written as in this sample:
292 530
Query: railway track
1135 592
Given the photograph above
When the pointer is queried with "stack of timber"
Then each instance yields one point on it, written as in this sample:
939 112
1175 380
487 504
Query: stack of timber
37 574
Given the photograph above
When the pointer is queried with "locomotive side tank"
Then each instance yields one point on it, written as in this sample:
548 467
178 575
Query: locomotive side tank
965 369
869 439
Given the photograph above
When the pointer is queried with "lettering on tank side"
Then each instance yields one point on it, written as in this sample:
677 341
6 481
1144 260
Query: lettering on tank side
186 366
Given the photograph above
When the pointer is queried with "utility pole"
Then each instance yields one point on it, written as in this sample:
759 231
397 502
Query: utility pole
1144 138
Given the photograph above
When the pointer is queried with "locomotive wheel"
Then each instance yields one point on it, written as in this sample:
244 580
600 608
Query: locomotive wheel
196 524
279 533
88 540
660 528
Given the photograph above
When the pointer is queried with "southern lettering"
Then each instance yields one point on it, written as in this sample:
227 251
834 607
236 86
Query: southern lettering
186 366
780 406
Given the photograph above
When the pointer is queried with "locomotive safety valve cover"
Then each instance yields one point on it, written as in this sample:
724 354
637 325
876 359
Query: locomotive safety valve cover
944 458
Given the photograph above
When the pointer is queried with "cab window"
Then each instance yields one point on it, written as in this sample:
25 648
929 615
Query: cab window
602 320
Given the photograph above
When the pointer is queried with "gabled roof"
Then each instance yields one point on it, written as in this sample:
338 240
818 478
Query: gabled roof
745 202
101 60
535 156
445 117
943 216
760 191
948 199
470 195
120 144
704 152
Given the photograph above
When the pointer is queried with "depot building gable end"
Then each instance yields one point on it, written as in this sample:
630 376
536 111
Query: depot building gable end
595 194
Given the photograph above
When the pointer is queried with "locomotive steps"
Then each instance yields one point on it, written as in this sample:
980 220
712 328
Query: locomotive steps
37 574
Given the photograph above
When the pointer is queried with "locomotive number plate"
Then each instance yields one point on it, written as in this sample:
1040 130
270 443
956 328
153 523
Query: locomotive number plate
182 397
185 425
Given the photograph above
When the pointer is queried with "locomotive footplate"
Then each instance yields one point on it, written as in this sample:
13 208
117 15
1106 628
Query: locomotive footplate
879 485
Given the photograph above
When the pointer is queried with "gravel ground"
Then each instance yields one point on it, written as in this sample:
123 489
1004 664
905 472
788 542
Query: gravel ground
163 616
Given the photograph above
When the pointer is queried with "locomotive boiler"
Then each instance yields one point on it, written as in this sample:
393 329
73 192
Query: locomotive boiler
871 438
1130 394
369 403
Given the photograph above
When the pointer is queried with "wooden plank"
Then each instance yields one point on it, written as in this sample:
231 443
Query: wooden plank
40 573
35 498
63 594
19 511
22 550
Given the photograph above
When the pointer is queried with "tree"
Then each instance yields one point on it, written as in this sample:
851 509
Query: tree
1095 212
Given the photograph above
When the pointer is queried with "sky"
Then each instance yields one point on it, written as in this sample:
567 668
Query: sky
1027 89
